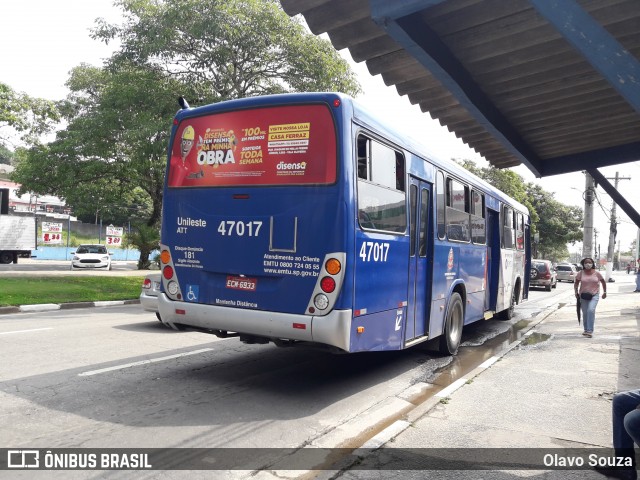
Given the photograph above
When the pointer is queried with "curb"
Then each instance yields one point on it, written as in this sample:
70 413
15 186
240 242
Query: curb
47 307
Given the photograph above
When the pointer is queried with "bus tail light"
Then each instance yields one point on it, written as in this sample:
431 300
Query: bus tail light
321 301
169 279
165 257
333 266
172 288
327 289
167 272
328 284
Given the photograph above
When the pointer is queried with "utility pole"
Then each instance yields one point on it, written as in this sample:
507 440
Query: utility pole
587 237
613 229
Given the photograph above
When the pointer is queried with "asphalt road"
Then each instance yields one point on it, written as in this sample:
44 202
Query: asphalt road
115 377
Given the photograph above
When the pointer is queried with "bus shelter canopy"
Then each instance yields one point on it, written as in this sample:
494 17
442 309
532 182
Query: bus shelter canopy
551 84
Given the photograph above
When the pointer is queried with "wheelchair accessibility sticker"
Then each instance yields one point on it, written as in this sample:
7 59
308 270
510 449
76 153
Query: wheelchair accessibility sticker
192 293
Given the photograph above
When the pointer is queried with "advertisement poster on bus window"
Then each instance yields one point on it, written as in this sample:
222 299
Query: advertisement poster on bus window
289 145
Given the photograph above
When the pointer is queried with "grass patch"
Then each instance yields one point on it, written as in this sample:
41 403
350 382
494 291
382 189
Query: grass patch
27 290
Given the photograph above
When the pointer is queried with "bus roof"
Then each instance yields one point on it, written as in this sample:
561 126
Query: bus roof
362 114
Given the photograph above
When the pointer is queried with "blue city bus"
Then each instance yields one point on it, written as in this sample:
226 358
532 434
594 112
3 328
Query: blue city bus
303 219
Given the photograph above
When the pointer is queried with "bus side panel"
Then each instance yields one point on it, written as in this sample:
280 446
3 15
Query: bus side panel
472 272
507 279
380 286
382 331
445 268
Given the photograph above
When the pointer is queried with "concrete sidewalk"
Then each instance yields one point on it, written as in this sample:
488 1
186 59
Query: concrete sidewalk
552 390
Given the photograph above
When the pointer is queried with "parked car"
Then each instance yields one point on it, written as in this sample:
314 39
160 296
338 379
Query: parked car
542 275
149 294
566 272
91 256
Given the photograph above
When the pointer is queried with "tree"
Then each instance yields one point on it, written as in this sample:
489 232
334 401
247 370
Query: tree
147 239
29 116
228 48
118 117
114 146
6 156
557 225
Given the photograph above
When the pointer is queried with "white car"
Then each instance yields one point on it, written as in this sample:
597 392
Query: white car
91 256
149 294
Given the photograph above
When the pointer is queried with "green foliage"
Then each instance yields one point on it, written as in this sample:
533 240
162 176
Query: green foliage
146 239
111 156
31 117
6 156
228 48
558 224
109 161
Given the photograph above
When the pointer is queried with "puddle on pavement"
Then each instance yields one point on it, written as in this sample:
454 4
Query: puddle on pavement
470 357
535 338
450 369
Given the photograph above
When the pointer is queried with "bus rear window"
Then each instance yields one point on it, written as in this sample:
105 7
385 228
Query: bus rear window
288 145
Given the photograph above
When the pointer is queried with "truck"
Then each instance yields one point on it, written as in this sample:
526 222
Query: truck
17 237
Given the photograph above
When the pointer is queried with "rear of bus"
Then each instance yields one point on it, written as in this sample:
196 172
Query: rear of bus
256 220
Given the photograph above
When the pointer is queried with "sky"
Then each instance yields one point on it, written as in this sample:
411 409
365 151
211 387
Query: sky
42 44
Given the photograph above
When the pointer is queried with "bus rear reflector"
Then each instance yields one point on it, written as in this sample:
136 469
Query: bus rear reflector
328 284
180 311
301 326
165 256
167 272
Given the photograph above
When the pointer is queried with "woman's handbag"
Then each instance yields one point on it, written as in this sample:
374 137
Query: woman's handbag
586 296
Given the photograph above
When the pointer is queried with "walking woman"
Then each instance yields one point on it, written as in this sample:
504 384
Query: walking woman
587 288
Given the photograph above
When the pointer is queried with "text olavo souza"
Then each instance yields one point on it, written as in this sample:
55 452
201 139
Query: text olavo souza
594 460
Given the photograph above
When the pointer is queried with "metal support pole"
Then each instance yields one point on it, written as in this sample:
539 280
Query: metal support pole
587 241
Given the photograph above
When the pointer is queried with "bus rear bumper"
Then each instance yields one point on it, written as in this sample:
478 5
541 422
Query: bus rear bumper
333 329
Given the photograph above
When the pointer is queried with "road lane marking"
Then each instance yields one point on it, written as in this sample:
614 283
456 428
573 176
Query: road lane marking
143 362
25 331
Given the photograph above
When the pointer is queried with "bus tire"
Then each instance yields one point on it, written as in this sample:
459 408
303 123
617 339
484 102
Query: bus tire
509 312
450 339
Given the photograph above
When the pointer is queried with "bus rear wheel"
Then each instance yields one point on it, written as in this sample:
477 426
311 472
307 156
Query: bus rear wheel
450 339
511 311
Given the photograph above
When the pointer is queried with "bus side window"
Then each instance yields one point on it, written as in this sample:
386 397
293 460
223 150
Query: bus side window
458 221
508 229
381 195
478 225
400 172
363 158
519 231
440 204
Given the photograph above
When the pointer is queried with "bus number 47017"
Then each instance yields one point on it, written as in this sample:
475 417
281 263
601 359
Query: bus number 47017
374 251
231 227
